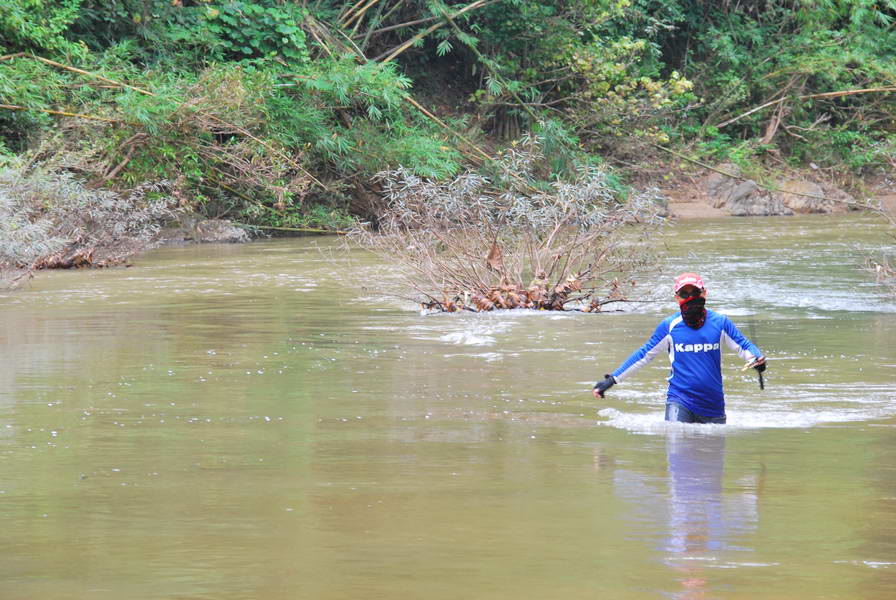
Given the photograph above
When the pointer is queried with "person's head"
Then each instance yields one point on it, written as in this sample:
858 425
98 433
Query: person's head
690 291
688 285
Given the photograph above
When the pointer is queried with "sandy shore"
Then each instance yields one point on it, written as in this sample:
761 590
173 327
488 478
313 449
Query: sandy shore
695 210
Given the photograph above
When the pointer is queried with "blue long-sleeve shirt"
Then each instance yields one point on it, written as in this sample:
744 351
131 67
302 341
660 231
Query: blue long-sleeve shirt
695 381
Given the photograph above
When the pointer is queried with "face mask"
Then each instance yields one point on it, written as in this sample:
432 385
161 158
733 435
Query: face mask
693 311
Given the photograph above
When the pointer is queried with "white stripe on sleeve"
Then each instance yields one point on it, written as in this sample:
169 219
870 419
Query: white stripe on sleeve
741 352
663 344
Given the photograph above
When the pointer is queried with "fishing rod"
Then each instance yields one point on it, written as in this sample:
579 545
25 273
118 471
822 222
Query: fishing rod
752 363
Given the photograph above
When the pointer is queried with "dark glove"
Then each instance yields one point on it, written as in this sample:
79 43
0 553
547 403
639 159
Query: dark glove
603 386
760 368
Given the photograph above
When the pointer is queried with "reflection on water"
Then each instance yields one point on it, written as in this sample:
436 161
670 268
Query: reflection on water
703 523
691 520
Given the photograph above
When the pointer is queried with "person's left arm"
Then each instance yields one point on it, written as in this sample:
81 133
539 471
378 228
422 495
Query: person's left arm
738 342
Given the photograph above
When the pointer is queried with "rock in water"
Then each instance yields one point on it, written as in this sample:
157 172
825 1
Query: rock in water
219 231
740 197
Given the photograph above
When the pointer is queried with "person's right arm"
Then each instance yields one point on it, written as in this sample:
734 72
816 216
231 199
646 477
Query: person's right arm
658 342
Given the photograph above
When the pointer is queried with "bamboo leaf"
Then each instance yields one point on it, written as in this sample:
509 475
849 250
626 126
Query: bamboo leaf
493 86
443 48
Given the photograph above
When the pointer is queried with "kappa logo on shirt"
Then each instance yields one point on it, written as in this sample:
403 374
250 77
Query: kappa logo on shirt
696 347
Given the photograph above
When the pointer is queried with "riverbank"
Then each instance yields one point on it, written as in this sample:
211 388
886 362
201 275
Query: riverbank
710 194
689 193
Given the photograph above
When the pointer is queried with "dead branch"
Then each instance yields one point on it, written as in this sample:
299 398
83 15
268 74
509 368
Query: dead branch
774 123
444 125
63 113
390 55
359 14
401 26
377 19
59 65
345 15
807 97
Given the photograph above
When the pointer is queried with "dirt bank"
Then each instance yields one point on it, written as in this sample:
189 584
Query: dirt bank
706 194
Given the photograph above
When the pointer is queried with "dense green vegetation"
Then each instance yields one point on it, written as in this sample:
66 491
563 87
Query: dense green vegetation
279 113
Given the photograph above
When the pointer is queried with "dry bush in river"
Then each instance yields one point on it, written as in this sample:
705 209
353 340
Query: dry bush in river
477 243
882 267
49 219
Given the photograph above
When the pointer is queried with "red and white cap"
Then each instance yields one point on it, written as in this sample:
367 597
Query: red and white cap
688 279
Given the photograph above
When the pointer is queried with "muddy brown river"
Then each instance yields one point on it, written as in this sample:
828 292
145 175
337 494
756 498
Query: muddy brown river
254 422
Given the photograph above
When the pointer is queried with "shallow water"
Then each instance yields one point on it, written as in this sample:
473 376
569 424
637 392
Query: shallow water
247 422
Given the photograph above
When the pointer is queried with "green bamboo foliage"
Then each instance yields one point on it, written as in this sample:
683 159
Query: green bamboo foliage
280 113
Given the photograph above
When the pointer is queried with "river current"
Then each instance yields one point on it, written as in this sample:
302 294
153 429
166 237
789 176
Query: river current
255 421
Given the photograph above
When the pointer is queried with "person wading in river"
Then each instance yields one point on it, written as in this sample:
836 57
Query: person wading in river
693 340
